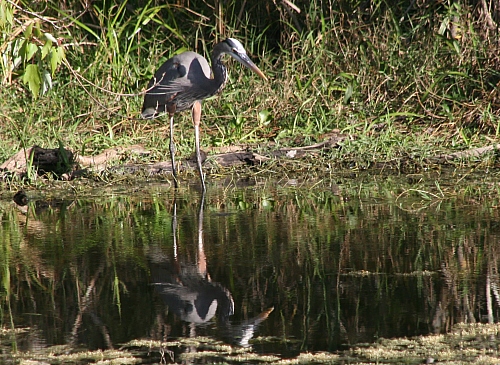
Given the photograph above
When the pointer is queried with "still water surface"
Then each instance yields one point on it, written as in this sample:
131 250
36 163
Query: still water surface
283 269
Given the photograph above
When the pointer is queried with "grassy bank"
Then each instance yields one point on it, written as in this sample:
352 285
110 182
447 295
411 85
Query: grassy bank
402 81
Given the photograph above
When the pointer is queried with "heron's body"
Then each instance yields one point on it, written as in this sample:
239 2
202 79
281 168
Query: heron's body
173 84
184 80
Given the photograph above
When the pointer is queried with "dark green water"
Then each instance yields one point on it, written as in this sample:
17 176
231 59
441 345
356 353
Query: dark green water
339 265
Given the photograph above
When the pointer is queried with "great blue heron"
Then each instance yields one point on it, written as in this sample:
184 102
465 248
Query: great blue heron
183 81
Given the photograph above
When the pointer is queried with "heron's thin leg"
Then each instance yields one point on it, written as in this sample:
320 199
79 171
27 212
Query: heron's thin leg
174 226
172 150
202 259
196 122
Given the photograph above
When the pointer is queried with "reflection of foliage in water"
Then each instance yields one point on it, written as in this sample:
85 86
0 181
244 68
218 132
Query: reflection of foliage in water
338 269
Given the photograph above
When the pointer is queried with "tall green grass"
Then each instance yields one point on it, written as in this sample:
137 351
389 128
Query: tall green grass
380 72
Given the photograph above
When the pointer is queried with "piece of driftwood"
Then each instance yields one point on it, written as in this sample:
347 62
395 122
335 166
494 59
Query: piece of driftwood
16 163
61 161
470 153
236 155
56 160
51 160
104 159
224 159
64 163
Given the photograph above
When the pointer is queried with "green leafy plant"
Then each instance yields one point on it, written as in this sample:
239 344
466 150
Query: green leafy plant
28 51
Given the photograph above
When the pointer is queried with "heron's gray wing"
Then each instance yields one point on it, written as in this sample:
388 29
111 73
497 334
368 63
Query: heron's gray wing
180 81
171 70
163 87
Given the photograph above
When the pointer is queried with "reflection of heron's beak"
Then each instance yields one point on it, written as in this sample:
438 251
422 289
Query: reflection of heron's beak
263 316
245 61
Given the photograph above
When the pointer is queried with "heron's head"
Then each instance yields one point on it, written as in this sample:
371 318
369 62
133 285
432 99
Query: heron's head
235 49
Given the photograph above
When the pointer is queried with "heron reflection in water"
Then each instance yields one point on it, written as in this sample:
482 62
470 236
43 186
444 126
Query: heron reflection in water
189 292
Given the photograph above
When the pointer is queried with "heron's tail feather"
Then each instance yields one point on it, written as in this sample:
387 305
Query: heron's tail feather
149 113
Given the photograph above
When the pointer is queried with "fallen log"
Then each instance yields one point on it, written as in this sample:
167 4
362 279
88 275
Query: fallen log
56 160
65 164
470 153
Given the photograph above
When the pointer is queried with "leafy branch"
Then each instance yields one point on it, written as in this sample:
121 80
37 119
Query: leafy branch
28 52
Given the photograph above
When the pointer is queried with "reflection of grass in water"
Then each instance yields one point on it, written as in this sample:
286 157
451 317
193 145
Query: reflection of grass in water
10 232
364 273
123 224
465 344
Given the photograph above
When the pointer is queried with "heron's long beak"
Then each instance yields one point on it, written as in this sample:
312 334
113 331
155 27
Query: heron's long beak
255 69
247 62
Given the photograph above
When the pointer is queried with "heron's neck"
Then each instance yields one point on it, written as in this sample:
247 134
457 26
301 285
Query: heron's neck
220 73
